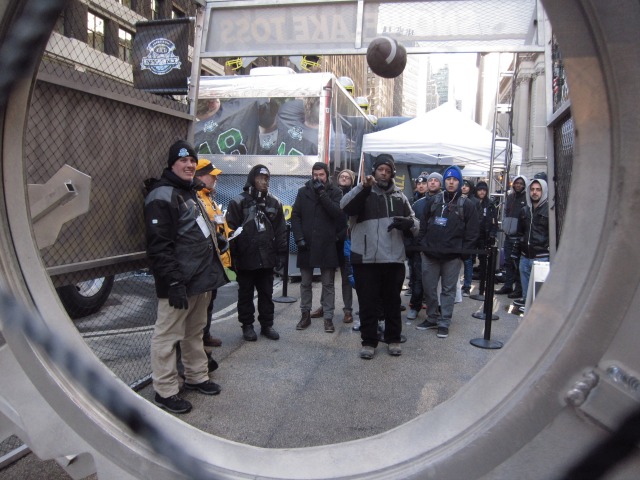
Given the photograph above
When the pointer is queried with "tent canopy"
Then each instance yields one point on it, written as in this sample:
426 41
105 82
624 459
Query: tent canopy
443 136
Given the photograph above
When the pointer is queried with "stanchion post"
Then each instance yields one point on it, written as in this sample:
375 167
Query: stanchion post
285 274
486 341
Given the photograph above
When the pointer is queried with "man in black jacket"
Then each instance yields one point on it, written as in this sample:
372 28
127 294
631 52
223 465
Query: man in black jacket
316 220
448 230
257 250
488 214
515 201
182 252
533 233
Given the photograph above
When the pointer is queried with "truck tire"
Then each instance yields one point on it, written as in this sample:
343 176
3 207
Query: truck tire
85 298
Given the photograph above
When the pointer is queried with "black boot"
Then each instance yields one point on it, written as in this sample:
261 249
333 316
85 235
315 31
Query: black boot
248 333
305 321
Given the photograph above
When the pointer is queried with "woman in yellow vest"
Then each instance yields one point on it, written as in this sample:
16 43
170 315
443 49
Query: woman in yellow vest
207 173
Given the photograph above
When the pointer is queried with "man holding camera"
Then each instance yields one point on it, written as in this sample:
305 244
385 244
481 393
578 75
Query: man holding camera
316 221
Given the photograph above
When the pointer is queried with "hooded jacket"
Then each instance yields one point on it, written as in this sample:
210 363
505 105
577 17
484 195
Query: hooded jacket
533 225
513 204
177 248
263 241
371 211
318 220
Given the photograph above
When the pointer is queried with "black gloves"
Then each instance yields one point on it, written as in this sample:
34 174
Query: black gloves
302 245
401 223
223 243
318 186
178 296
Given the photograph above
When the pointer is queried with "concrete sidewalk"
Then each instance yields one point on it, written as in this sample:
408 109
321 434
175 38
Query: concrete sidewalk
316 380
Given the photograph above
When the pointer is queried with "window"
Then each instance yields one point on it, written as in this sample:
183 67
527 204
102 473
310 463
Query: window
95 28
177 13
125 3
156 9
125 45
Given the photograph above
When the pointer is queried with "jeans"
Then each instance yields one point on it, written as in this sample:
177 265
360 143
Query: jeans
526 264
347 289
468 272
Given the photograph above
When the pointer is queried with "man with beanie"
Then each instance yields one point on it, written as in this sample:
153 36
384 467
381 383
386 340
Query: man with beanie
260 247
468 191
380 215
316 221
488 216
182 251
207 176
434 186
448 229
533 233
516 200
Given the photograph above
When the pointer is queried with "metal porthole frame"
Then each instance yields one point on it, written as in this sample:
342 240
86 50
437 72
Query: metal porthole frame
517 412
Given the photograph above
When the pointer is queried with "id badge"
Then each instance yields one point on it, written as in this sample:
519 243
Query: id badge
441 221
218 219
203 226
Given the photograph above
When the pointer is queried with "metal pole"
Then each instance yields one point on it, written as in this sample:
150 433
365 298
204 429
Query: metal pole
285 274
487 315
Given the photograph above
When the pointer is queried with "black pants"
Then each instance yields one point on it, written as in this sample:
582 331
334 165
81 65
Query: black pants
512 272
417 292
262 281
205 331
379 284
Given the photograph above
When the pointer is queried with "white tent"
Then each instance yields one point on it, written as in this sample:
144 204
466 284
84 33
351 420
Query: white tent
443 136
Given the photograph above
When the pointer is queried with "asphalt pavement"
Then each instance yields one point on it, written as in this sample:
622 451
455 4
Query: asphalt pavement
311 387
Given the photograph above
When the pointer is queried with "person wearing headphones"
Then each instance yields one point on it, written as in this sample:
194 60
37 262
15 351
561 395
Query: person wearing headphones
380 216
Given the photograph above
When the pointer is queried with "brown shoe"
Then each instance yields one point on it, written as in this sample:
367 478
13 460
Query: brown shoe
304 322
348 318
317 313
212 342
328 325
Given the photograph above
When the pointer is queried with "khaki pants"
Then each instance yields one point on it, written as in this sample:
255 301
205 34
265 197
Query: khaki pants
184 326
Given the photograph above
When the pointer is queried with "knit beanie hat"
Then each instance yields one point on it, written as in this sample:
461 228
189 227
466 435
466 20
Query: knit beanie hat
384 159
351 173
435 175
453 171
181 149
482 186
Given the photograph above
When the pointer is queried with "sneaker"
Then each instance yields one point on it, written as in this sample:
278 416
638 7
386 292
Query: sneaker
207 387
328 325
515 294
466 291
395 349
504 290
412 315
426 325
519 302
521 309
248 333
367 352
212 341
356 326
270 333
443 332
173 404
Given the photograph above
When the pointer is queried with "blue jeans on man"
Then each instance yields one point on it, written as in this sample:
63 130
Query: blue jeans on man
526 265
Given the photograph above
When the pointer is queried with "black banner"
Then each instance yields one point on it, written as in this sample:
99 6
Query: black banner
160 56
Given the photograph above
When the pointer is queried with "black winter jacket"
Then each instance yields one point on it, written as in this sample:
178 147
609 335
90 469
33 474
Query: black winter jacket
534 231
177 248
263 241
318 220
488 217
460 231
